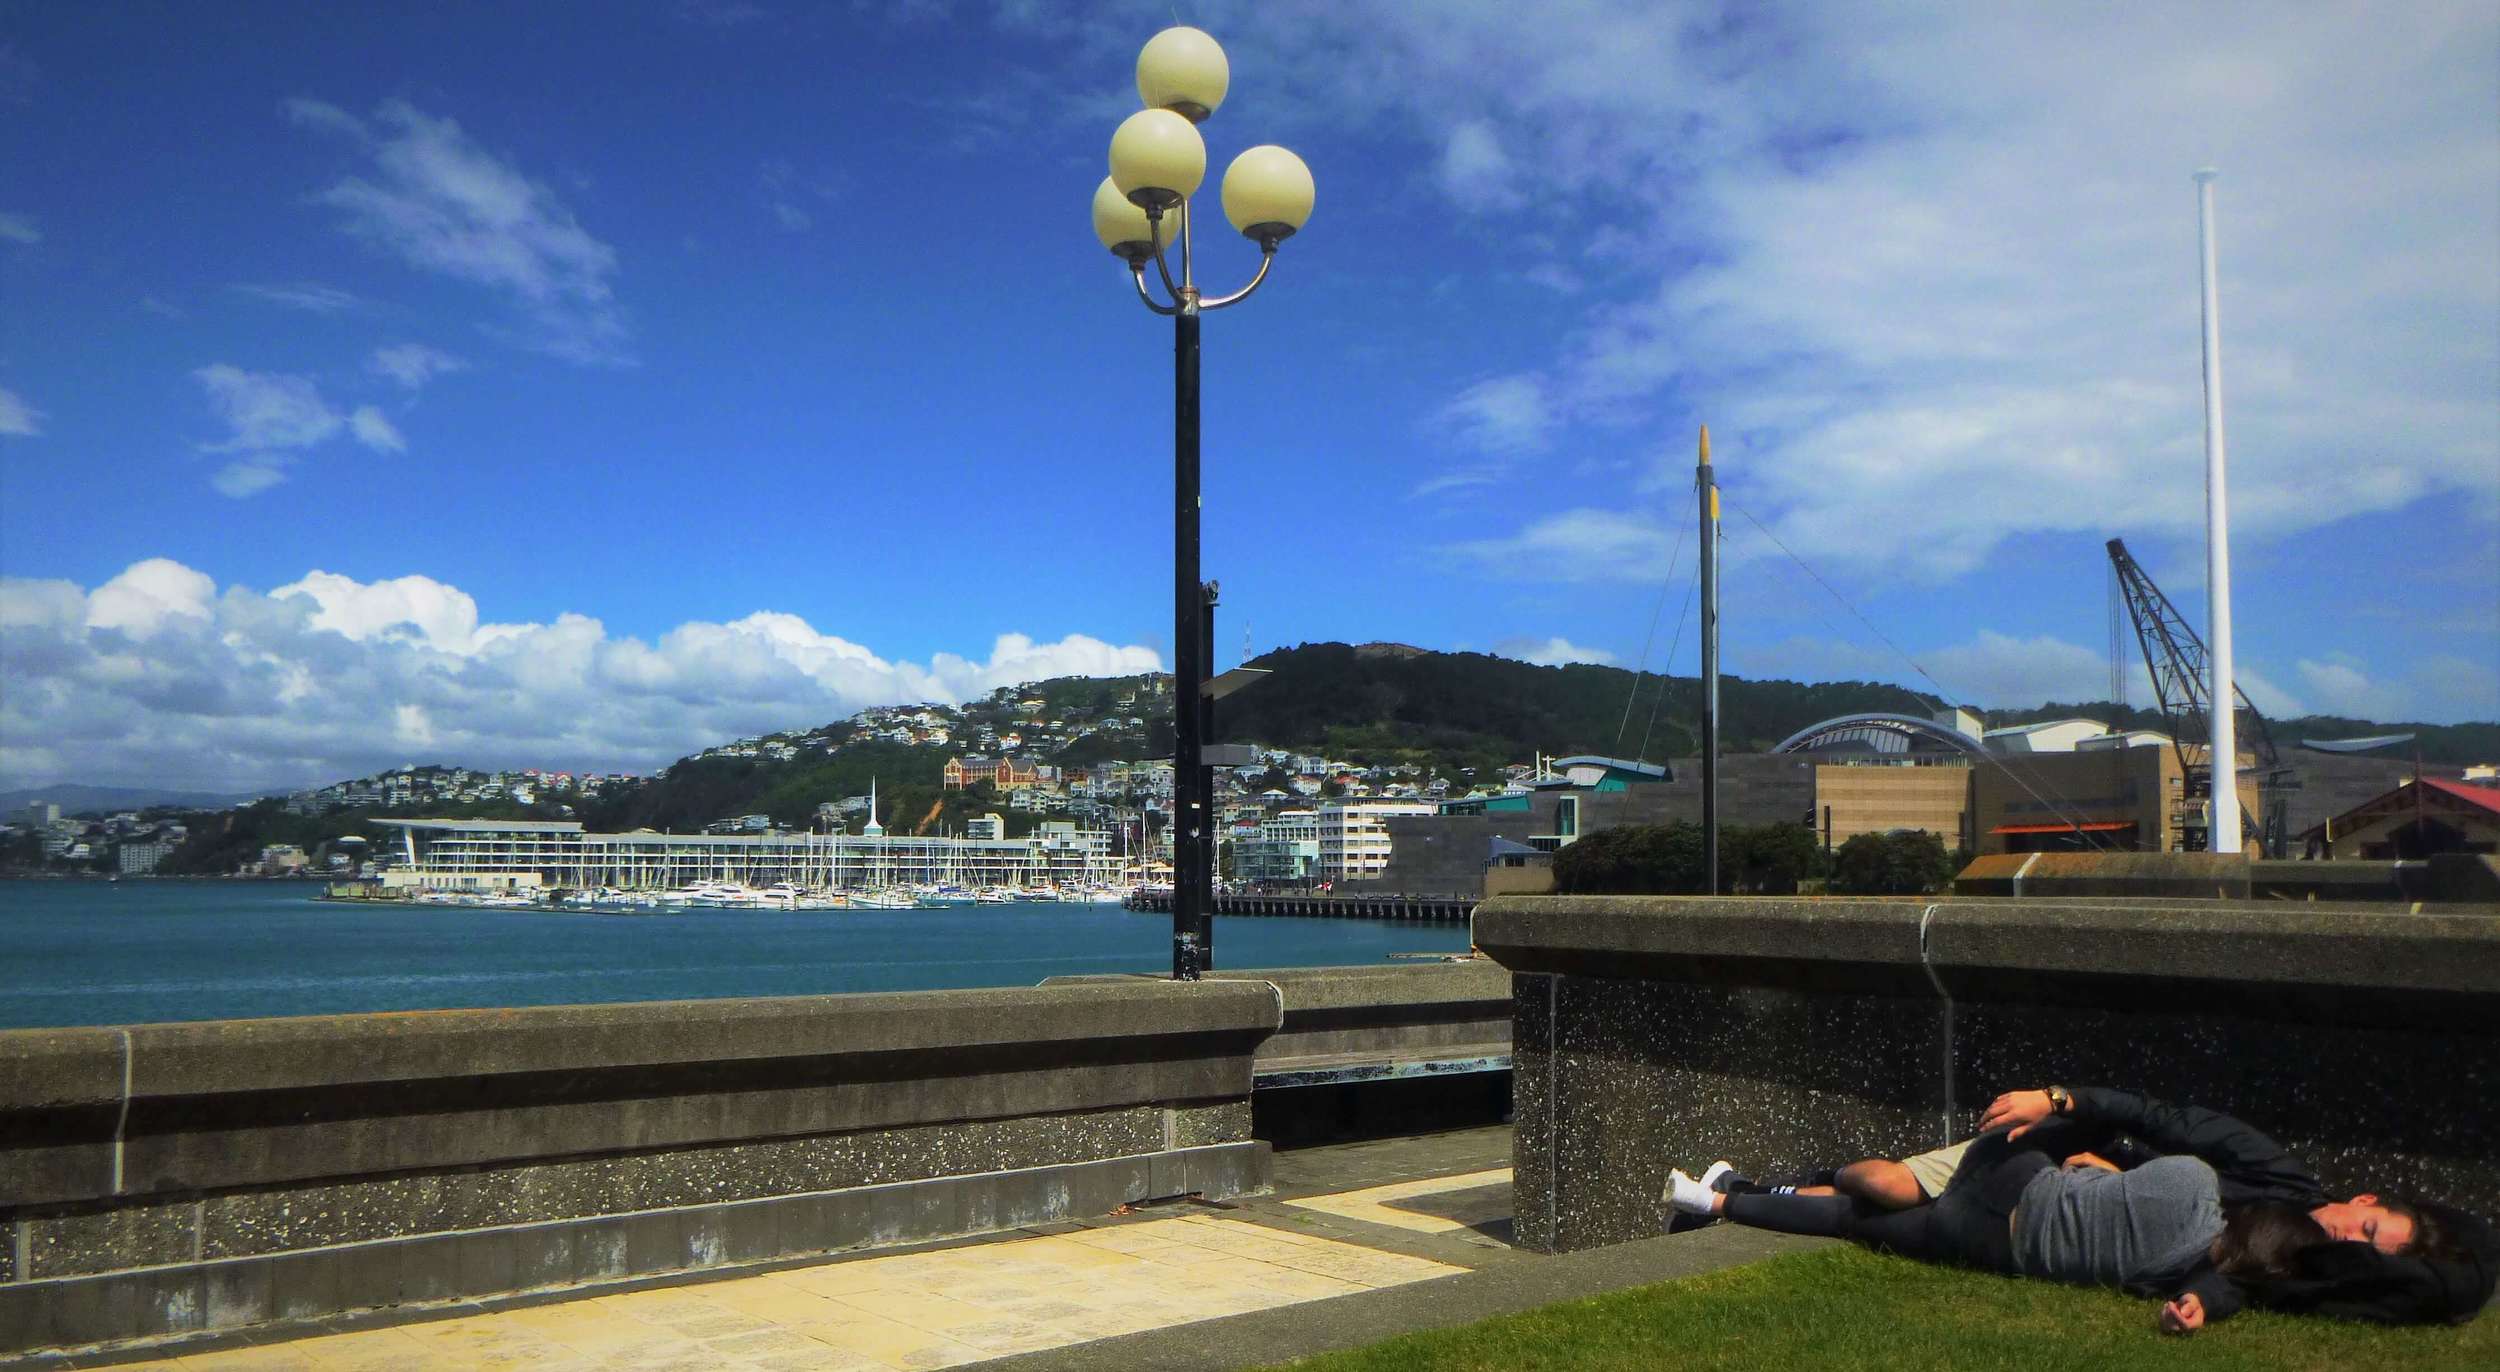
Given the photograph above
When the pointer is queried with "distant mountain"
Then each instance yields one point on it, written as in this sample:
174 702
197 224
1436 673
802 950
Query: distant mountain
75 800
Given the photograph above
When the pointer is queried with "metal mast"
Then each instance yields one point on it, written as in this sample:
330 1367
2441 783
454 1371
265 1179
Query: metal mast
1708 488
2226 755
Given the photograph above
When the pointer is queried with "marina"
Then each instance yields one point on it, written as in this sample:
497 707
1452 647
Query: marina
476 861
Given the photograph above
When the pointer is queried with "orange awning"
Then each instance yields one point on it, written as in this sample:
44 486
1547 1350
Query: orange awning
2096 828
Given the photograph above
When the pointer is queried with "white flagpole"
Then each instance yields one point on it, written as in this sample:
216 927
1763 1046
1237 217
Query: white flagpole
2224 836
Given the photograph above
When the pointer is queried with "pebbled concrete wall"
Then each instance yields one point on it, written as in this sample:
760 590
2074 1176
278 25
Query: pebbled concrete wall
1654 1032
161 1178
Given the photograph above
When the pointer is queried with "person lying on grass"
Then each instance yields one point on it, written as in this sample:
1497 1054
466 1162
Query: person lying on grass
2223 1215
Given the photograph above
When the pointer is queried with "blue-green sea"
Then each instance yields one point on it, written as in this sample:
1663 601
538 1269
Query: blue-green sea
129 952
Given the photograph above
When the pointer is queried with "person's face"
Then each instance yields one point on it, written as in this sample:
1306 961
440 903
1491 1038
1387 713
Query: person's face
2363 1220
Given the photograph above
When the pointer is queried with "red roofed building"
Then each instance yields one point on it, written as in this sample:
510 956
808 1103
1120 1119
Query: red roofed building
2422 817
1002 772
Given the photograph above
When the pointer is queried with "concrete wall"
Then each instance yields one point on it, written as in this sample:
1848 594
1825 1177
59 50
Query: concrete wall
171 1177
1394 1011
1660 1031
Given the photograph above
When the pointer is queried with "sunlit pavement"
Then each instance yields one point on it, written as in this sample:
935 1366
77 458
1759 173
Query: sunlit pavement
945 1306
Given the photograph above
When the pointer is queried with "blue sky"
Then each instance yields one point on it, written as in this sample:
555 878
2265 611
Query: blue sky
579 384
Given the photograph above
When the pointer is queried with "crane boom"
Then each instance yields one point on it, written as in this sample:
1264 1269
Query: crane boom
2175 659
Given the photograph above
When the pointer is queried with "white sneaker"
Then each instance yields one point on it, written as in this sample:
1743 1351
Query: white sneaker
1710 1175
1687 1195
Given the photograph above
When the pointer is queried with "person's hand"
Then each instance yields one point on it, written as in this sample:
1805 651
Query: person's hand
2185 1315
2091 1160
2022 1109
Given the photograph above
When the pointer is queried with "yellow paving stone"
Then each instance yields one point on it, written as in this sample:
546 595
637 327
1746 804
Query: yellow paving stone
893 1343
824 1357
777 1302
761 1343
919 1309
830 1280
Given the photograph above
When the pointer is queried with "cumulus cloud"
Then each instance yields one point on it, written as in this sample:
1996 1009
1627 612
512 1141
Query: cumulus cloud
161 676
17 418
20 228
441 203
1552 652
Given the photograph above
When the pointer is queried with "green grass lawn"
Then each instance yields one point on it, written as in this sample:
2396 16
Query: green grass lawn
1845 1307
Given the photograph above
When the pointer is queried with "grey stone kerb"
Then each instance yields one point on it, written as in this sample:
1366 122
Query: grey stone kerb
1657 1031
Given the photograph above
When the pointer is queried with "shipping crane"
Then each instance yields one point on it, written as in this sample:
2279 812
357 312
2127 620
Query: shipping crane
2174 657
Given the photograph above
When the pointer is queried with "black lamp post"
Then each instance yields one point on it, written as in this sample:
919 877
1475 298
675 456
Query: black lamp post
1142 214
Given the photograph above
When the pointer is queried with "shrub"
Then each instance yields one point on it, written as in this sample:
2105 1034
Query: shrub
1905 863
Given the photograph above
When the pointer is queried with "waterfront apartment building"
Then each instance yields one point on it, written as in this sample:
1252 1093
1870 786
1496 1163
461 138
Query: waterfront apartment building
1354 835
1284 849
486 854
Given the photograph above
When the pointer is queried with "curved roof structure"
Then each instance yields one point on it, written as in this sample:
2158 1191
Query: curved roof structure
1879 732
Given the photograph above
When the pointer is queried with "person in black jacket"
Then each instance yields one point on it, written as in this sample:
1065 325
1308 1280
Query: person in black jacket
2224 1215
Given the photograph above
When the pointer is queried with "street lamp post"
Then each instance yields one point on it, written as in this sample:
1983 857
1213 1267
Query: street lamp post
1142 214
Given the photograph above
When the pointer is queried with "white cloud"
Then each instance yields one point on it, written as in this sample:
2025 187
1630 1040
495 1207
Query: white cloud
1475 171
1578 545
1552 652
413 364
2436 687
17 418
312 297
270 416
1930 271
1505 415
443 204
248 477
146 594
266 410
375 431
20 228
161 676
792 198
324 116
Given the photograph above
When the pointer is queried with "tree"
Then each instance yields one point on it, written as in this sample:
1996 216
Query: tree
1769 859
1632 859
1906 863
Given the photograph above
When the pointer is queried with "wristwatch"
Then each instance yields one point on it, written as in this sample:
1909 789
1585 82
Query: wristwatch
2061 1101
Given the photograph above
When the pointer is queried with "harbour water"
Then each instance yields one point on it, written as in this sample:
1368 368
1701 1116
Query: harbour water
130 952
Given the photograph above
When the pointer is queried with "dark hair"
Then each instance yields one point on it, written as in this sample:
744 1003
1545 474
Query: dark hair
2430 1236
2262 1239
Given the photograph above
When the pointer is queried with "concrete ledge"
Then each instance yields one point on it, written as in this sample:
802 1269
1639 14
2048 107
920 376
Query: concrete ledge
311 1283
1390 1011
255 1102
1696 938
